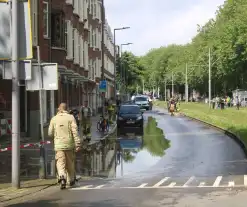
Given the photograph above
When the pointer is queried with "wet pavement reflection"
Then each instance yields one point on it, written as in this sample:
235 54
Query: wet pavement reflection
118 156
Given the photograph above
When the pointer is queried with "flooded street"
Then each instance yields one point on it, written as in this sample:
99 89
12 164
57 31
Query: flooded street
175 156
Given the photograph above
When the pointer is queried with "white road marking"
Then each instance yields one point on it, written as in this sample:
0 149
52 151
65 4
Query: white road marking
83 187
171 184
142 185
245 180
161 182
231 184
189 181
202 184
217 181
100 186
158 185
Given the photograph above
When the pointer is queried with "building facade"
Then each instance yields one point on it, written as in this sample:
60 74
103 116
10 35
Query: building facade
68 32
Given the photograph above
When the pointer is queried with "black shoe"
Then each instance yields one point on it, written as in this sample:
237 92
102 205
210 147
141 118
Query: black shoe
62 183
72 183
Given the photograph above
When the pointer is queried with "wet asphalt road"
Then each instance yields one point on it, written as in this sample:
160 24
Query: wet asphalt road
202 167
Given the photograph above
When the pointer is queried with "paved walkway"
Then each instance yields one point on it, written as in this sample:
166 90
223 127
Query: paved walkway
30 156
5 141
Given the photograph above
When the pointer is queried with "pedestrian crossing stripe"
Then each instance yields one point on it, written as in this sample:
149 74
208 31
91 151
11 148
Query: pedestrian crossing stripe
167 182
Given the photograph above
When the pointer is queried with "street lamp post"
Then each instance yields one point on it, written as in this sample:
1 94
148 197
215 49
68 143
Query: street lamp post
122 69
114 44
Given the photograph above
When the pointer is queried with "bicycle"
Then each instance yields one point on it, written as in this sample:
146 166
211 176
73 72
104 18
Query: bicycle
103 124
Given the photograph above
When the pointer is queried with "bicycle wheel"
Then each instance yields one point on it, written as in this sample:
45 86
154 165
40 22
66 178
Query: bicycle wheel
107 127
98 126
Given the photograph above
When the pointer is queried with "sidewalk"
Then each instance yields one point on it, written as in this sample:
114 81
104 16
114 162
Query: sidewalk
5 141
9 195
30 156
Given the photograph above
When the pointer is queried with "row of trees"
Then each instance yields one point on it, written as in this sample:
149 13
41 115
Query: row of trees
225 36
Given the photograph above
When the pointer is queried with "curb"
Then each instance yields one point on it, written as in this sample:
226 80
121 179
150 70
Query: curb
29 194
235 137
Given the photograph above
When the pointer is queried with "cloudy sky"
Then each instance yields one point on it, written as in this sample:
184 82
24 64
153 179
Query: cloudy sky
156 23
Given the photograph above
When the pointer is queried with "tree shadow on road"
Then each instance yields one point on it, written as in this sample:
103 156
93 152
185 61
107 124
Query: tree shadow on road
56 203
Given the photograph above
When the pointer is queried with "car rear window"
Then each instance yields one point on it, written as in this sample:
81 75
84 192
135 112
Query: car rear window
129 110
141 99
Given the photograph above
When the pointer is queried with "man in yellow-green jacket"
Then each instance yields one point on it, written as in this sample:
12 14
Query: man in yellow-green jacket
64 130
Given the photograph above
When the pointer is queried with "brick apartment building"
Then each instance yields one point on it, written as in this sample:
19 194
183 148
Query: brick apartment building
69 32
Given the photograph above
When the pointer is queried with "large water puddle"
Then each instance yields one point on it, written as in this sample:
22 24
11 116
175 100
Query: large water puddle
126 155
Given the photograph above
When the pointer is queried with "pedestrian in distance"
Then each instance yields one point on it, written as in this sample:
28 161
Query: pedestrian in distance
64 130
85 121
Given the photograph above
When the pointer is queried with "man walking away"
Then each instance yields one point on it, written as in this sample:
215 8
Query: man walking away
86 122
64 130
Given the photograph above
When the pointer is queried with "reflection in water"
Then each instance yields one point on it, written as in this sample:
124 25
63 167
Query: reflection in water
130 153
154 139
140 153
98 159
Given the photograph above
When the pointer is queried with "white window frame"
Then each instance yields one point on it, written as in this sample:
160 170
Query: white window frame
81 52
81 11
76 47
95 10
46 31
85 7
86 55
76 6
69 40
73 42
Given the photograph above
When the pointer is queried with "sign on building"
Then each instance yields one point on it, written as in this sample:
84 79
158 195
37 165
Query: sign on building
24 26
103 86
25 69
49 77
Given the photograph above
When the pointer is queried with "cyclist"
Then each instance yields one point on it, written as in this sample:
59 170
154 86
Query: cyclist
118 101
110 109
85 119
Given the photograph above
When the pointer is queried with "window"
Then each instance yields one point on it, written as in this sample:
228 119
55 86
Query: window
81 52
129 110
58 30
73 40
76 6
95 11
66 34
34 16
141 98
46 18
95 39
69 39
86 55
78 48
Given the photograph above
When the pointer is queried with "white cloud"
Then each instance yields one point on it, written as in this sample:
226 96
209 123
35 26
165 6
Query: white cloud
156 24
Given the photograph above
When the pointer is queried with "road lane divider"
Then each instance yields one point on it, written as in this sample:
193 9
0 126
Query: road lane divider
142 185
217 181
161 182
189 181
201 184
